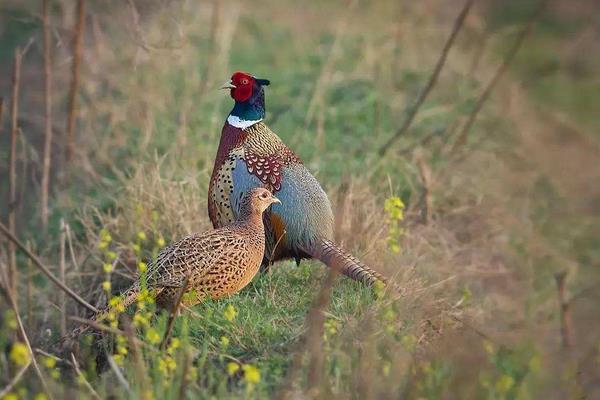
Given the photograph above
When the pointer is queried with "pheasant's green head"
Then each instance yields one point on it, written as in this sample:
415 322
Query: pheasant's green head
248 93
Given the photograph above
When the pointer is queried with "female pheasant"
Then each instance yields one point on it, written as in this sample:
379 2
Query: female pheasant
251 155
217 263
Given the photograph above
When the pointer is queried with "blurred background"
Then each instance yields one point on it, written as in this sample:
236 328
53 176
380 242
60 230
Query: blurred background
459 143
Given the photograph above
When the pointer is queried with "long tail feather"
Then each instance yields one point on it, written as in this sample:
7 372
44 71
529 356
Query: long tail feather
334 257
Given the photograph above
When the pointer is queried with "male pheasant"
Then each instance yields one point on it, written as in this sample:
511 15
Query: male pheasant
251 155
217 263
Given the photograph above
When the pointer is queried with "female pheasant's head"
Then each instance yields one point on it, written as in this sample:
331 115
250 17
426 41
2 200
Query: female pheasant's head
255 202
249 96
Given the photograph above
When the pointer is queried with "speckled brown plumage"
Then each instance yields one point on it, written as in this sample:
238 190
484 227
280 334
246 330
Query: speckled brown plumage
218 263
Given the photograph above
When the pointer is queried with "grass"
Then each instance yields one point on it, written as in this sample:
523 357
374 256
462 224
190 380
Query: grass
478 316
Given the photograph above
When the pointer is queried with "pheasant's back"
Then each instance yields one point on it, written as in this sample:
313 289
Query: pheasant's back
218 263
257 157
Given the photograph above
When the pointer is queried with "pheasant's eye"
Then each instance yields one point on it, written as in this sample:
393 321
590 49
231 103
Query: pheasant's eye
264 195
244 81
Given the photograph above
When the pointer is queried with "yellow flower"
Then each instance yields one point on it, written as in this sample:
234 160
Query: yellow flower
107 267
142 266
55 373
11 396
139 320
122 350
386 367
160 242
118 359
102 245
136 248
166 365
106 285
116 304
232 368
175 343
152 336
19 354
141 235
224 341
105 235
40 396
230 312
505 383
111 255
49 362
251 374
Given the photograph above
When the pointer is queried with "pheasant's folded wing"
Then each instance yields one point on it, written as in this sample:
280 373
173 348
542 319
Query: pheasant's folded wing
194 255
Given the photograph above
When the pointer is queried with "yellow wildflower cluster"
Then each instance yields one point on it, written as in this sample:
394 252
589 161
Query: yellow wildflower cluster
230 312
105 239
224 341
394 207
19 354
50 364
331 328
251 375
152 336
167 365
174 345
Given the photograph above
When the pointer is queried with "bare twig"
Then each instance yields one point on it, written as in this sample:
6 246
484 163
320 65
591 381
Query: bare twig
462 136
426 182
81 377
1 110
15 380
12 172
75 68
61 270
11 301
46 271
174 311
118 373
566 323
48 115
432 79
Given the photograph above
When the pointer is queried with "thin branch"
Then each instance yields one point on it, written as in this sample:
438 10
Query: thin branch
426 182
12 172
48 115
75 68
171 322
15 380
566 322
118 373
61 268
432 79
11 301
462 136
82 378
46 271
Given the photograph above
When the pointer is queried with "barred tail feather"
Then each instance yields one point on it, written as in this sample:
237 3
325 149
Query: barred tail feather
334 257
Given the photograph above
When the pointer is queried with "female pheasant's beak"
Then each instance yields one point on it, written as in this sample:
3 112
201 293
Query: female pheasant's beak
275 200
228 85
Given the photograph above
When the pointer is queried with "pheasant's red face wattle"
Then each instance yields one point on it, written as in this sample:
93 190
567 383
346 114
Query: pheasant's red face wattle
243 83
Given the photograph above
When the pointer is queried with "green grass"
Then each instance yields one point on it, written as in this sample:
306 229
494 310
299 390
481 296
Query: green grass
478 318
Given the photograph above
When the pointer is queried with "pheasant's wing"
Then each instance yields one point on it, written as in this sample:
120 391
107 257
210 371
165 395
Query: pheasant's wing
195 255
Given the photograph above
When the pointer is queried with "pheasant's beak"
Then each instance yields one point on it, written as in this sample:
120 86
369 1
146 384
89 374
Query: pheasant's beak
275 200
228 85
